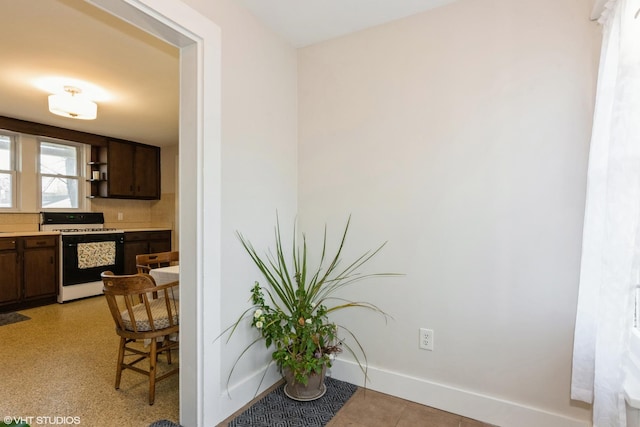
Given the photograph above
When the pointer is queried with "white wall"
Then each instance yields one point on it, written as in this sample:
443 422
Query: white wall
460 136
259 173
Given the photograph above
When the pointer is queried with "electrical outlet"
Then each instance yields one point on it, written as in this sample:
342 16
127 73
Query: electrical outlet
426 339
120 216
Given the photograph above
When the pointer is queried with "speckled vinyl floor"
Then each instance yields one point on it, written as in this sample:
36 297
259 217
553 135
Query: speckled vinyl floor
61 363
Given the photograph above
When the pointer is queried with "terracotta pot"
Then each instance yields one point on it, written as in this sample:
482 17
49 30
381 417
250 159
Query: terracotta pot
314 389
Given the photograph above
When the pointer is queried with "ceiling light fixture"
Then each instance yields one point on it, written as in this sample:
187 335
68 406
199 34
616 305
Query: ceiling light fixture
71 103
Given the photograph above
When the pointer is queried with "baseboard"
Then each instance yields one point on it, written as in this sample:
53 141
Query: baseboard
484 408
244 391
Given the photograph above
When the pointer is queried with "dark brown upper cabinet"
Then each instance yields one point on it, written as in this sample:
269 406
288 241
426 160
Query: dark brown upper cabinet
133 170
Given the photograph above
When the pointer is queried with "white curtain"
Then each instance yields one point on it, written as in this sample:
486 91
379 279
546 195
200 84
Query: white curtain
612 214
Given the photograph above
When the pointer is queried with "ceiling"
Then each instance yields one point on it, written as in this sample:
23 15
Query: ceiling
43 41
73 39
304 22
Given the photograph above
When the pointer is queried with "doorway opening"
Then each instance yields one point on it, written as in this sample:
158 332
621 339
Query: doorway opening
198 39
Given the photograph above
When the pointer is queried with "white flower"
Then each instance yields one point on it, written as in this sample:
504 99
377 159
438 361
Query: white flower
308 321
258 313
259 324
262 319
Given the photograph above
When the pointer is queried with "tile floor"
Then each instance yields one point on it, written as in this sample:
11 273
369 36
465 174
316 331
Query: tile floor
370 408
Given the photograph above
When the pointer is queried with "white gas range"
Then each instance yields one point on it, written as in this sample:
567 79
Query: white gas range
87 249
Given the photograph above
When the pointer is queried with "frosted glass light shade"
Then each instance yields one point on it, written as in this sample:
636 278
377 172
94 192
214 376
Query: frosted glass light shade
70 104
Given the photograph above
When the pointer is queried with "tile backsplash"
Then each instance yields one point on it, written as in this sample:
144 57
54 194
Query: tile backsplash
133 214
19 221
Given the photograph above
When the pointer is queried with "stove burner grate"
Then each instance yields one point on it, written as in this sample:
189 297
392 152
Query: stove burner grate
86 230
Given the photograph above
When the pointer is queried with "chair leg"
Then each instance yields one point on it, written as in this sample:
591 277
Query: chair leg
123 343
165 343
153 355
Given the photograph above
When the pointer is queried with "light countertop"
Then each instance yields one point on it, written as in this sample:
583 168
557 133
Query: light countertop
28 233
128 230
56 233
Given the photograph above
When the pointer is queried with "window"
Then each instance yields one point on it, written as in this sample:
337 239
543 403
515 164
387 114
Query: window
60 175
7 172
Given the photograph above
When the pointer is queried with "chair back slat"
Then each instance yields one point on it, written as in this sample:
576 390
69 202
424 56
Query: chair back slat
147 307
131 315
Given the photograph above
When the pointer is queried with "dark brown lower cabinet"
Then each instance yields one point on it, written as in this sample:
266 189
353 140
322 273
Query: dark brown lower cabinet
9 271
40 267
28 271
144 242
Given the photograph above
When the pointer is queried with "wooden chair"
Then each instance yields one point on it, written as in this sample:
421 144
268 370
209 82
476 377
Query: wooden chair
142 311
145 262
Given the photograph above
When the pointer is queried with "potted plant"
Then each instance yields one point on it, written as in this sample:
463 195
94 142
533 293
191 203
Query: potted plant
291 310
